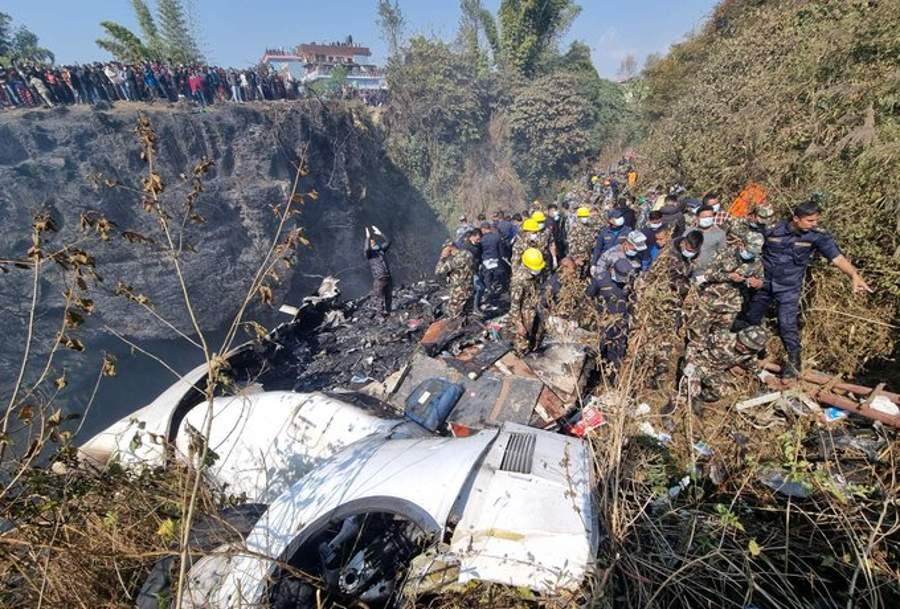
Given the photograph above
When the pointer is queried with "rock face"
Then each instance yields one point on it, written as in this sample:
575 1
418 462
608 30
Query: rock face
47 156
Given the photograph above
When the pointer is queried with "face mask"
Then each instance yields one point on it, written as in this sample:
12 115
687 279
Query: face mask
556 215
688 254
754 225
705 222
654 225
744 254
541 226
584 220
375 248
631 253
534 273
716 207
617 221
532 237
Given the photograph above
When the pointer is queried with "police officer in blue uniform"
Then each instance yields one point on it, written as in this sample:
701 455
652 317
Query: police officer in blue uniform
610 291
788 249
611 235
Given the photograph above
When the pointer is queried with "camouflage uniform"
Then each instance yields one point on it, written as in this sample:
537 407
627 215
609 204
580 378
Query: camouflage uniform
738 229
522 243
524 297
707 366
581 239
719 299
660 293
458 269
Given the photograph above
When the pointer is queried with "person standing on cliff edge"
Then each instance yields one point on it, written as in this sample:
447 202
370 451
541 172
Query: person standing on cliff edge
382 283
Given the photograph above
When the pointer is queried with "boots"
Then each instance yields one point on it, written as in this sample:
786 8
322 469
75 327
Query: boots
792 366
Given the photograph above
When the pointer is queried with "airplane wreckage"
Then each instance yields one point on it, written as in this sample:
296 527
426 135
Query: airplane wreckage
441 474
465 463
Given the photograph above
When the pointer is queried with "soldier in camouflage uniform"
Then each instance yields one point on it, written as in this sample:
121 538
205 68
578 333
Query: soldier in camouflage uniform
660 293
531 235
524 297
707 369
581 237
457 265
761 216
724 288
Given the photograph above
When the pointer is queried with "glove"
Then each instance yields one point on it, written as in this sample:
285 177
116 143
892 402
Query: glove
368 235
376 231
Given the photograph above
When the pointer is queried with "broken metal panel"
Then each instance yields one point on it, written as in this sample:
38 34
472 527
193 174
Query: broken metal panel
536 530
266 442
427 473
562 367
488 401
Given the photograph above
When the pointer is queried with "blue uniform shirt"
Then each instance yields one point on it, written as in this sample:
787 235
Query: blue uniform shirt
608 237
788 251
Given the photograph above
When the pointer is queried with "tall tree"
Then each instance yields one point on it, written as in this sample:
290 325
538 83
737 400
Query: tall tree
152 41
528 28
180 46
628 68
122 43
469 25
392 23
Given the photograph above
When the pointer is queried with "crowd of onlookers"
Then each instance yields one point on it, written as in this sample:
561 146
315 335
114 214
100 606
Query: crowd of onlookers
49 86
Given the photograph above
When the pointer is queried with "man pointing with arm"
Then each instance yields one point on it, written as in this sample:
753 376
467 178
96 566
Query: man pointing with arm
788 249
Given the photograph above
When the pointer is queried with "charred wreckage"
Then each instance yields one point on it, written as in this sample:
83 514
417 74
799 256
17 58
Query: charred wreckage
377 459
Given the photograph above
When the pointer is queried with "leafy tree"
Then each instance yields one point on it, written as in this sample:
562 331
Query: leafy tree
550 128
122 43
180 45
469 36
439 108
628 67
529 28
392 23
26 47
148 28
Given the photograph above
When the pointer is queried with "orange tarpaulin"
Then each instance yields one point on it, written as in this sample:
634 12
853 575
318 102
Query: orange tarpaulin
753 194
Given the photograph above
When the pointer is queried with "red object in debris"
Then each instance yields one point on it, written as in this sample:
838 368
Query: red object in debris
460 431
591 419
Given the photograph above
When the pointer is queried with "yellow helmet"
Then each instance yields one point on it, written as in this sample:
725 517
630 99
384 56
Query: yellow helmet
595 179
583 212
538 216
533 259
531 225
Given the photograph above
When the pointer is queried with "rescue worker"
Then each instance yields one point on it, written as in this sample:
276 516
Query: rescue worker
382 282
788 249
461 231
472 243
547 243
708 370
456 264
612 234
633 249
557 225
524 296
724 288
580 239
761 216
492 266
530 236
611 291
